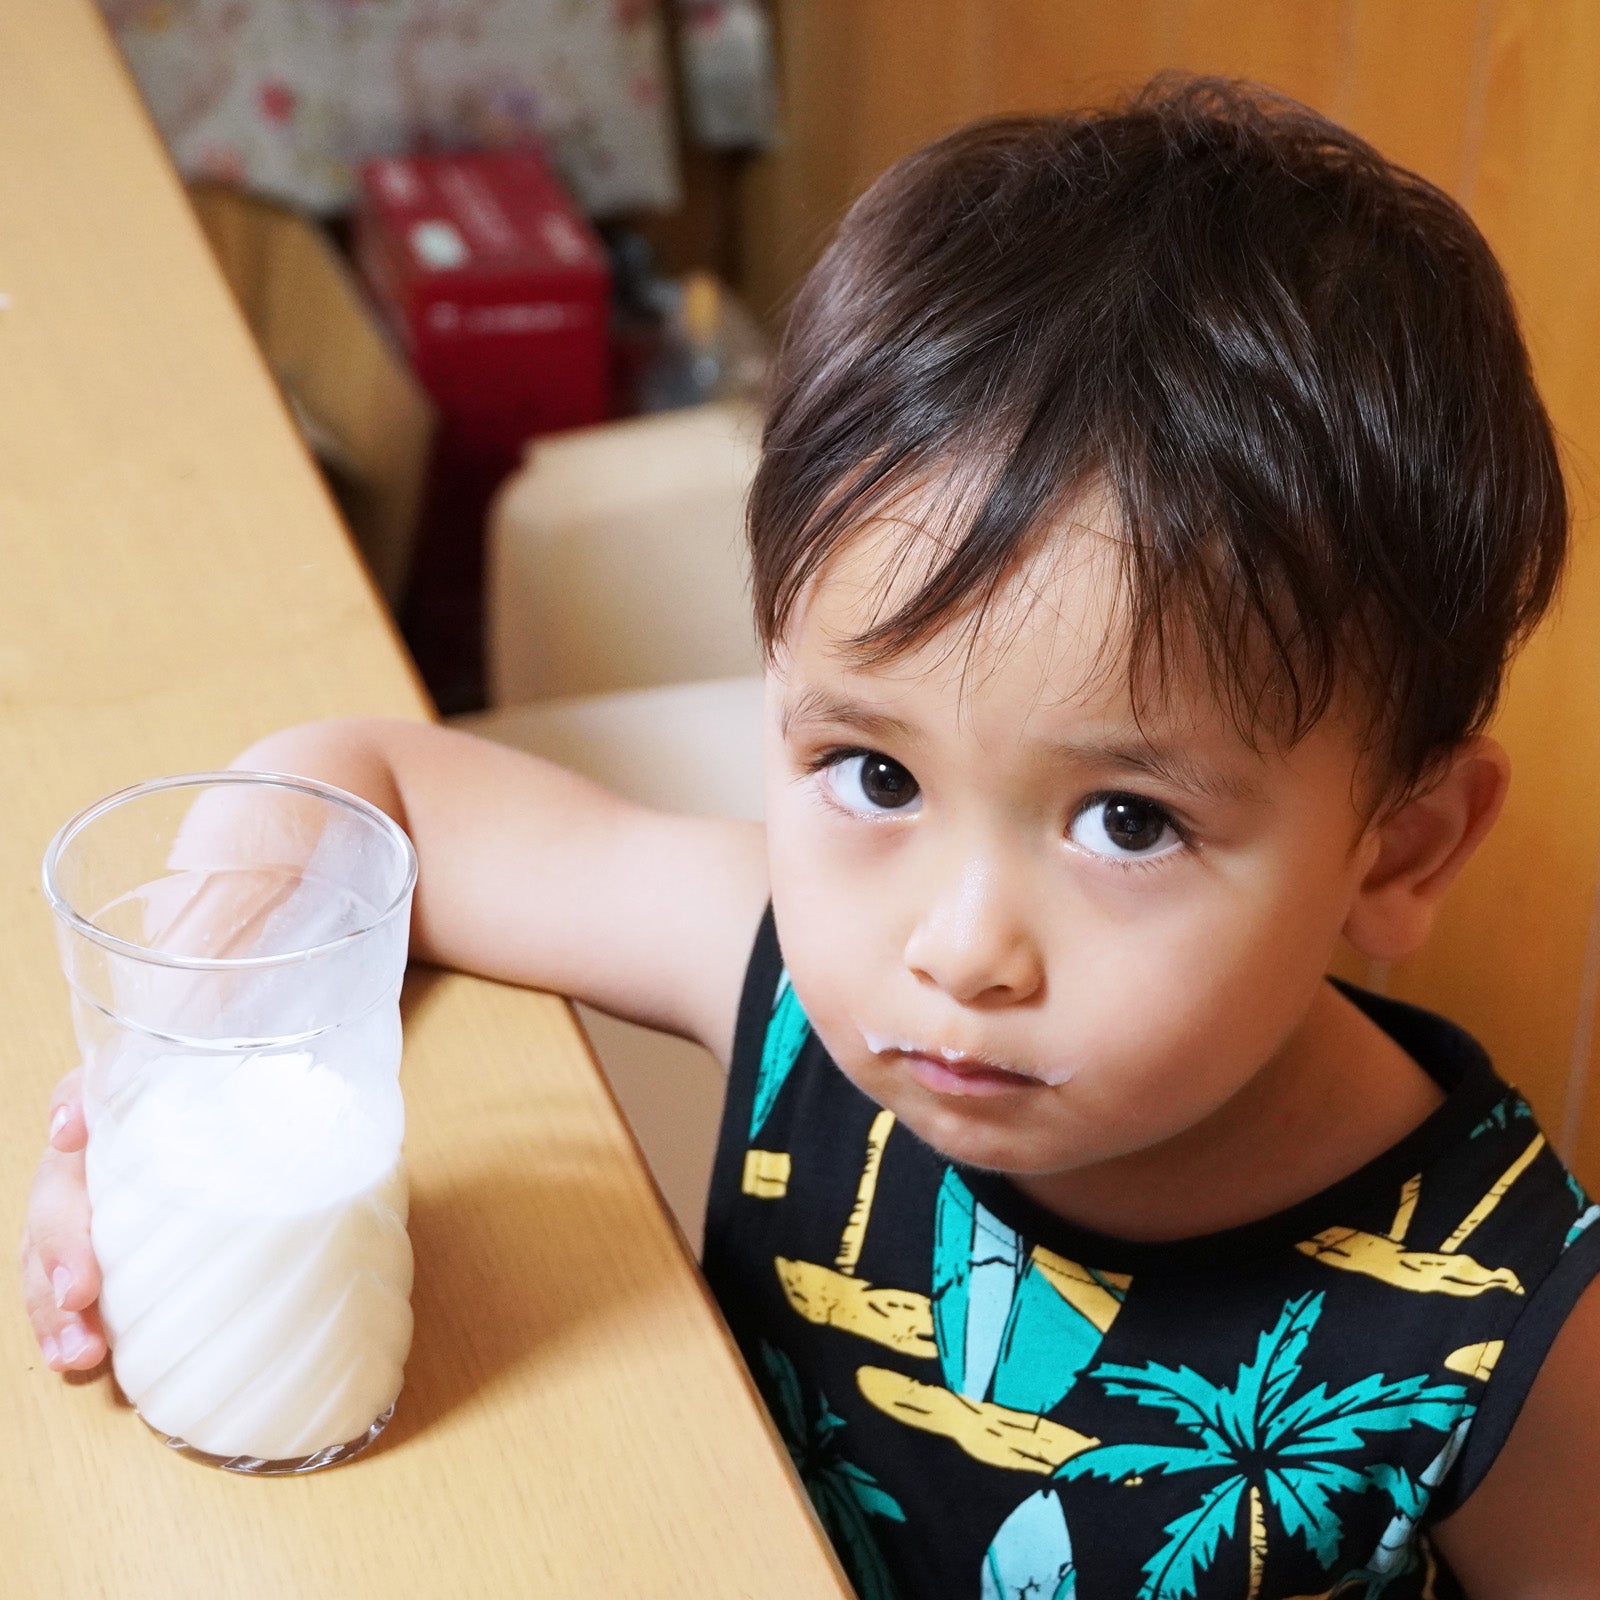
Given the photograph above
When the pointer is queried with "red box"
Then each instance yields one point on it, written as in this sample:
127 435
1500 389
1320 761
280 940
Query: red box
501 293
496 284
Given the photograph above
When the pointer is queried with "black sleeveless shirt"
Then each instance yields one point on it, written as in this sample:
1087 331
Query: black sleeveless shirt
985 1400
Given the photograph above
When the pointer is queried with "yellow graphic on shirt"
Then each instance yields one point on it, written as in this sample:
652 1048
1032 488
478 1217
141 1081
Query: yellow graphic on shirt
993 1434
1476 1360
1258 1542
1442 1271
1011 1327
1409 1190
766 1174
1091 1294
834 1297
855 1230
898 1318
1495 1195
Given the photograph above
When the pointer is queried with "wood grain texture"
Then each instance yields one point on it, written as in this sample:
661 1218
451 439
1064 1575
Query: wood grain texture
575 1421
1510 956
1296 48
1411 82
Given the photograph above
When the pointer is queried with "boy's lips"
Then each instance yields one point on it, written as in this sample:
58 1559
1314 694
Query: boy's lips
947 1071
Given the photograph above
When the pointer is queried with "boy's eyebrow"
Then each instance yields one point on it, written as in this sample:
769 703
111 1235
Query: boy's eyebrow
1133 754
823 705
1170 766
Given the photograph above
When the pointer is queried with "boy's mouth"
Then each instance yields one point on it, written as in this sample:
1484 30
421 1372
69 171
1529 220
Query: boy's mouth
946 1071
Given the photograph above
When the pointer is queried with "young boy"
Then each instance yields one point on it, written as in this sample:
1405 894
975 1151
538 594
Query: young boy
1149 505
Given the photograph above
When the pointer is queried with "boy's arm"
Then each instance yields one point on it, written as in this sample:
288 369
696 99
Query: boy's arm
531 874
525 872
1531 1529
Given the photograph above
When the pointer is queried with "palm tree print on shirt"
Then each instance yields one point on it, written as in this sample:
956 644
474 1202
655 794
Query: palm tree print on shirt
1265 1446
844 1494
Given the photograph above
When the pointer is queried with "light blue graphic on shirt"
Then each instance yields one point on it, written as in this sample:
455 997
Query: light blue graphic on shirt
1031 1556
1509 1108
1400 1550
1012 1326
780 1049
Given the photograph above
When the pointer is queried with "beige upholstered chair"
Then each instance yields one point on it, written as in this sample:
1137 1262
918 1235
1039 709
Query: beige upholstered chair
616 557
620 645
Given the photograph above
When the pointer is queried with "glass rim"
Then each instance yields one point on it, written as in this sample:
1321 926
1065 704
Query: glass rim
71 917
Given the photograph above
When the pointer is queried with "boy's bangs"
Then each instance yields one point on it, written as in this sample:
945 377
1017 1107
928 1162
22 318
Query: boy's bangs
1291 371
981 522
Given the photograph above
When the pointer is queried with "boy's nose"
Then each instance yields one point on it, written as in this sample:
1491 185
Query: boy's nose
975 944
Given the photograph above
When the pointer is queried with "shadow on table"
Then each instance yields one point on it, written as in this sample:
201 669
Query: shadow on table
515 1262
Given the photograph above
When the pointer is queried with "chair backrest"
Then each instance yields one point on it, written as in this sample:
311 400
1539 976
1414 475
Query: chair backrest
616 557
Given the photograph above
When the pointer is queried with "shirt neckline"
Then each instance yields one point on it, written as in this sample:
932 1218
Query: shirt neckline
1447 1053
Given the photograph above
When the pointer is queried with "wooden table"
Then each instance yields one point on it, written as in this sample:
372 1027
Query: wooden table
173 583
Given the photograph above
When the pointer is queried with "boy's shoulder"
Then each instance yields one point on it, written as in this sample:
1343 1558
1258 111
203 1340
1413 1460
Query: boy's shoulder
1529 1531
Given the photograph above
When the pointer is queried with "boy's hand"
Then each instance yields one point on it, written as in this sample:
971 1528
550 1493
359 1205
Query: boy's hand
60 1277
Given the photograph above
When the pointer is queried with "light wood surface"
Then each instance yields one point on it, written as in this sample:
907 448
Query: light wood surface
575 1422
1495 101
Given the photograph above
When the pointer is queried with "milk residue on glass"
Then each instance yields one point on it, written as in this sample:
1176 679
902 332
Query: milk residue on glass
249 1216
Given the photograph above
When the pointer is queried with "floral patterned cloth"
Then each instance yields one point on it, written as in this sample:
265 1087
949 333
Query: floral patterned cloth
285 96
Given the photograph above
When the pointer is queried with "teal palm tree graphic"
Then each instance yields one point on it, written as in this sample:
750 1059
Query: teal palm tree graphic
1509 1108
1268 1446
787 1028
844 1494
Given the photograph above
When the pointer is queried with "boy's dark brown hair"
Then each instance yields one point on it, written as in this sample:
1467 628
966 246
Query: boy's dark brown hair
1293 368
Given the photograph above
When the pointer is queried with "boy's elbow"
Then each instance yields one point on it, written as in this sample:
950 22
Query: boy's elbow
356 754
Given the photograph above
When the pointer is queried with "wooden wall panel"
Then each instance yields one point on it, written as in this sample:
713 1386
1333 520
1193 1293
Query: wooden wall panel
794 196
1413 83
1495 101
1518 951
1296 47
1050 54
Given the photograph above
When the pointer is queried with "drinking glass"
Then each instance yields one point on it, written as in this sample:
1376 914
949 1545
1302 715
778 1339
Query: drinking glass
234 945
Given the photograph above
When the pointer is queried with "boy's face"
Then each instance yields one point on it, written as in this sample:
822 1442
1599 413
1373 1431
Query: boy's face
1044 936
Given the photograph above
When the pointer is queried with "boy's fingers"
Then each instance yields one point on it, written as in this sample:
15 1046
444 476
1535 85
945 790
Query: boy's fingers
60 1277
69 1341
57 1232
67 1129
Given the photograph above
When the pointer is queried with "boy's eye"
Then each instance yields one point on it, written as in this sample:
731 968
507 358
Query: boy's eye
865 782
1124 827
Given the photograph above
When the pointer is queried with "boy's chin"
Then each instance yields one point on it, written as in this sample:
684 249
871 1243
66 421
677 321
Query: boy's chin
989 1144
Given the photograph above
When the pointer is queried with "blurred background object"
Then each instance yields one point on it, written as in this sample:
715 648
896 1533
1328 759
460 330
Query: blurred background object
616 557
359 406
288 97
728 73
472 148
499 291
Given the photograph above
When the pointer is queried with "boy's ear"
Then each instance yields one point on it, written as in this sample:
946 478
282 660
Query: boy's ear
1417 850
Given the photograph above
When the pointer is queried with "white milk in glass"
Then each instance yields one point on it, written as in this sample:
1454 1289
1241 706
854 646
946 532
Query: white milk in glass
249 1218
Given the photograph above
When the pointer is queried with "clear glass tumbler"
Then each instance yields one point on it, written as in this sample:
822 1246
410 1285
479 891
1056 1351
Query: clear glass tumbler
234 944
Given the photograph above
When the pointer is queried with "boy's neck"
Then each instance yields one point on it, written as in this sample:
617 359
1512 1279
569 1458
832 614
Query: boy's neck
1340 1093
